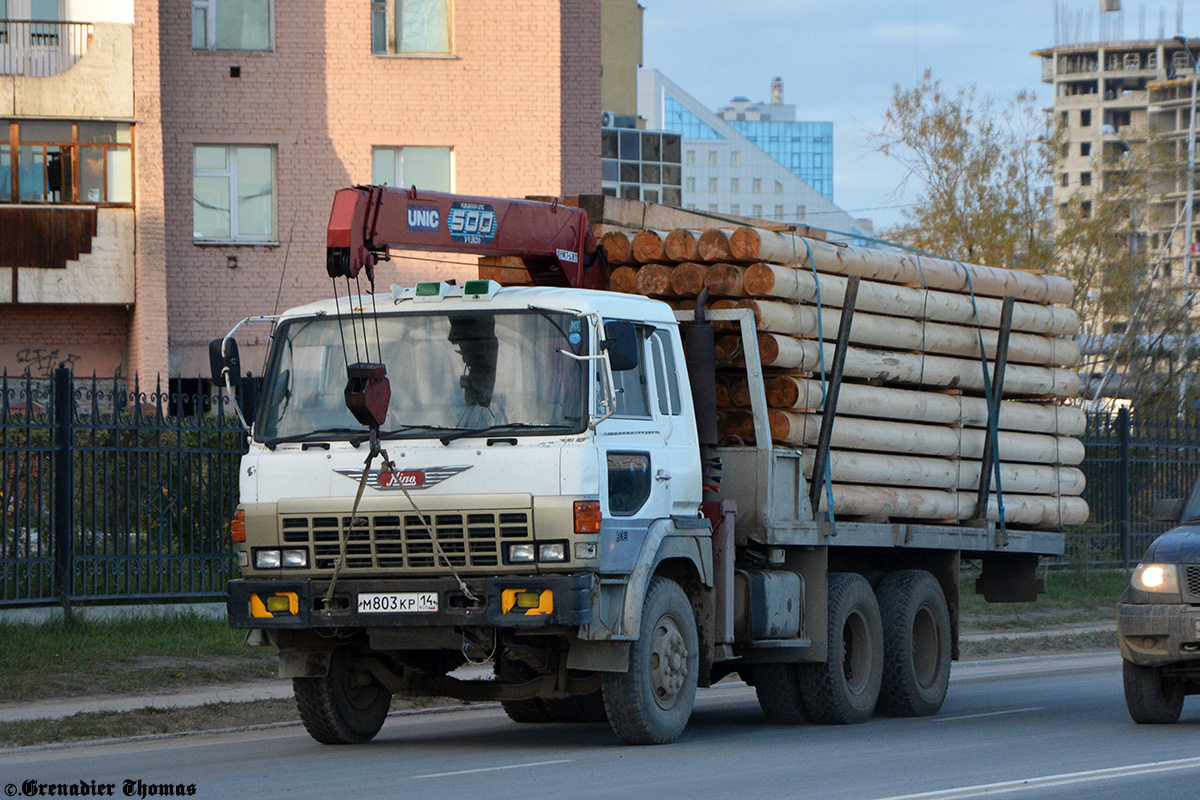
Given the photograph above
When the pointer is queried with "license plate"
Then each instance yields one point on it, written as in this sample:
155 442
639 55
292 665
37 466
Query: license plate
397 602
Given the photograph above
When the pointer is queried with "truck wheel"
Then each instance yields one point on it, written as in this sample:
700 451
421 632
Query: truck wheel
347 706
844 688
652 702
778 690
916 644
1151 698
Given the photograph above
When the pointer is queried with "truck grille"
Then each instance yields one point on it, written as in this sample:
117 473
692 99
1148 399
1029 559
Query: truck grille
402 541
1192 572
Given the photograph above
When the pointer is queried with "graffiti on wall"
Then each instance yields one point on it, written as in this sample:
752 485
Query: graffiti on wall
39 362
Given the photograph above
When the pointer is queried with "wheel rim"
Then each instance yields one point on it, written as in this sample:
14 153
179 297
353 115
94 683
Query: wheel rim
668 662
926 642
359 688
856 653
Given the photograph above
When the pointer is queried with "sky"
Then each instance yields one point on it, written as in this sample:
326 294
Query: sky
840 59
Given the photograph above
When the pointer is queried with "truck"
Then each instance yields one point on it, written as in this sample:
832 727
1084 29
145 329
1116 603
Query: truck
1158 617
530 478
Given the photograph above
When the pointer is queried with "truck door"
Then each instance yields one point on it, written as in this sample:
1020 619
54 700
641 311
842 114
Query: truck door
678 471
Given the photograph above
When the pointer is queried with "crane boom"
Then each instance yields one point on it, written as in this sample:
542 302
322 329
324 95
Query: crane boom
555 242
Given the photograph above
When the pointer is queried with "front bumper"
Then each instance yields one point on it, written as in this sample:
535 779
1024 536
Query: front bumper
567 605
1155 634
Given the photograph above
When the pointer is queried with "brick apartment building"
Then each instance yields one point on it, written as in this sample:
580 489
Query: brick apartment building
242 118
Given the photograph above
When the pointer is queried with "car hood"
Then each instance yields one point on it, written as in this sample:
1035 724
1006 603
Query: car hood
1177 546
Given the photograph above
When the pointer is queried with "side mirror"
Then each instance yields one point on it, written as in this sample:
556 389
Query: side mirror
622 345
1167 510
223 360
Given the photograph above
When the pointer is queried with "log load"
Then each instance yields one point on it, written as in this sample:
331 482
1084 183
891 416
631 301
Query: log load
912 413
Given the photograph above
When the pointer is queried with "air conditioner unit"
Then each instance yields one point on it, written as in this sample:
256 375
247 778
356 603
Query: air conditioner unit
606 119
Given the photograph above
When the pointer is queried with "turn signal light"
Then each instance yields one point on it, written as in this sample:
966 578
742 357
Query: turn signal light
237 528
587 516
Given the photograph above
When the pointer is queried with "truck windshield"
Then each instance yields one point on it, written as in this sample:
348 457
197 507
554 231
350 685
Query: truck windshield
449 372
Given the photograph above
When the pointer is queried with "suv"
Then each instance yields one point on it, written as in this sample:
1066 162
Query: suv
1158 617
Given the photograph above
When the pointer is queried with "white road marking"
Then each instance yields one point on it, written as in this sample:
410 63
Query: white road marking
988 714
493 769
1066 779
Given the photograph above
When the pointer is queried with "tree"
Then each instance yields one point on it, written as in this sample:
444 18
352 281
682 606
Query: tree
981 171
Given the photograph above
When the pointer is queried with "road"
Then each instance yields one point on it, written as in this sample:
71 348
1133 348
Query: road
1049 728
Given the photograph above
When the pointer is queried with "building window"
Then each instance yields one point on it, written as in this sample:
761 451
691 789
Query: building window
735 159
1065 180
778 212
756 211
735 209
427 168
233 193
712 207
801 212
231 24
1086 208
1085 118
712 158
691 184
1085 179
60 161
410 26
1085 149
778 187
691 158
735 186
756 185
712 185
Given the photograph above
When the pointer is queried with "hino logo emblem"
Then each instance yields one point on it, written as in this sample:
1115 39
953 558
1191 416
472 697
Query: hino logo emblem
404 478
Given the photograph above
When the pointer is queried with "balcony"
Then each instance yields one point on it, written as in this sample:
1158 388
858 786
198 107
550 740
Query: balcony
37 49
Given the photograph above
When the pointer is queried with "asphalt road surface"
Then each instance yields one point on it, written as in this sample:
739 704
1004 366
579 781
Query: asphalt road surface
1049 728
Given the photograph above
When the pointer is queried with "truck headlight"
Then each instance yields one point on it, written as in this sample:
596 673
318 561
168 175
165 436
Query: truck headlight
295 559
1160 578
555 551
266 559
520 553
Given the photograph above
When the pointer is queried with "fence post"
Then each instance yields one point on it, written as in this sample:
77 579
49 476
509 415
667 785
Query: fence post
1123 521
64 489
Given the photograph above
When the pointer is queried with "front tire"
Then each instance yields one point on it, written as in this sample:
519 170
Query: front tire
652 702
347 706
844 689
1151 698
916 644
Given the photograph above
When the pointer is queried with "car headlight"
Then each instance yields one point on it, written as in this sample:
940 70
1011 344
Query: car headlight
1159 578
266 559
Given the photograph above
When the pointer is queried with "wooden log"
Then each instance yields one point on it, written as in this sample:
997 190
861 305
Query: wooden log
714 245
682 244
653 280
623 279
800 285
754 244
907 334
903 437
619 247
856 400
726 280
899 503
648 246
847 466
687 279
891 367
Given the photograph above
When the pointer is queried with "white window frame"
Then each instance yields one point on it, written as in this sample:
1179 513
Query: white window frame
399 180
230 172
389 9
210 20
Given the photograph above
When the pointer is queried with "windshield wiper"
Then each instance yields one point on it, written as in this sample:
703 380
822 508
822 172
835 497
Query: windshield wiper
321 434
395 433
503 426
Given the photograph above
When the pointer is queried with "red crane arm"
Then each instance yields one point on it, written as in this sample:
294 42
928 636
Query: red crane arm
555 242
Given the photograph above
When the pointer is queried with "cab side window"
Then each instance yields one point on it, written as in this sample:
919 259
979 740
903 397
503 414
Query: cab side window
663 358
633 397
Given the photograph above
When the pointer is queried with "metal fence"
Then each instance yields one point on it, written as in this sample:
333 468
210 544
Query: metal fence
111 493
1131 461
